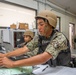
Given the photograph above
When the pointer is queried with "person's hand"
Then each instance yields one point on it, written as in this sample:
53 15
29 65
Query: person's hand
2 55
5 62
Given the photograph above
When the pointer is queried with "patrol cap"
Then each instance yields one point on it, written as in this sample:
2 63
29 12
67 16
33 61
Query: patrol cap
30 33
48 15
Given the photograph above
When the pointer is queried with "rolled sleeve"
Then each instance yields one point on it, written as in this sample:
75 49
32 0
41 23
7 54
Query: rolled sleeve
32 44
51 50
58 44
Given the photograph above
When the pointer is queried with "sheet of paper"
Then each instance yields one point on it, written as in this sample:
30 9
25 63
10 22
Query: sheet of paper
59 70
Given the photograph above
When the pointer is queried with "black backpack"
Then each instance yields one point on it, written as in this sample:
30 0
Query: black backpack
64 57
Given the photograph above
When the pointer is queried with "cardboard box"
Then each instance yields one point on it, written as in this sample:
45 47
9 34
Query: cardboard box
26 26
23 26
13 26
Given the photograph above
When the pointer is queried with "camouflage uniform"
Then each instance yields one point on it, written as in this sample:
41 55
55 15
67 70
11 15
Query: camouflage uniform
57 44
32 53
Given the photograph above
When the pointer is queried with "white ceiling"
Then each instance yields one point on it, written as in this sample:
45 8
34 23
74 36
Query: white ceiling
69 5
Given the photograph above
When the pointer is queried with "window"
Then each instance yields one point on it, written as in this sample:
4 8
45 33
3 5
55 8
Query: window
10 14
58 24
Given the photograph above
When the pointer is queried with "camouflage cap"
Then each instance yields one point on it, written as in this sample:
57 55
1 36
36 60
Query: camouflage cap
30 33
48 15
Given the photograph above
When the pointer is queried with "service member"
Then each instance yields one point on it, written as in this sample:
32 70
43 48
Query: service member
46 23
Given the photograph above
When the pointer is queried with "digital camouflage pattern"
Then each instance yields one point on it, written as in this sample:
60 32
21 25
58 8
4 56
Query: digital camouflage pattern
32 53
57 44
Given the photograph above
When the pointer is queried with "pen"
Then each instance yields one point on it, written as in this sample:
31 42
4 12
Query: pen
44 68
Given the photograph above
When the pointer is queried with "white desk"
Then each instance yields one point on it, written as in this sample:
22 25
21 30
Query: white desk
59 70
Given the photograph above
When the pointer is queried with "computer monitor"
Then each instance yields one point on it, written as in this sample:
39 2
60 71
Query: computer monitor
0 37
6 35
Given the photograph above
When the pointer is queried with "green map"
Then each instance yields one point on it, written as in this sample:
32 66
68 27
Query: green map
17 70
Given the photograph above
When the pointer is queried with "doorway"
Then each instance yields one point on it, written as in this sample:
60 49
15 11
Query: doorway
71 35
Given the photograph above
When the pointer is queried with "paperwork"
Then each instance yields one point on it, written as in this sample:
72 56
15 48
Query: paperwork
59 70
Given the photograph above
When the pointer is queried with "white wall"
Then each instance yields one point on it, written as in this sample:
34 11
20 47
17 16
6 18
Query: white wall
10 14
0 36
65 18
28 3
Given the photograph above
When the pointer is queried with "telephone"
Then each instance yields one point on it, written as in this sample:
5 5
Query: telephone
2 49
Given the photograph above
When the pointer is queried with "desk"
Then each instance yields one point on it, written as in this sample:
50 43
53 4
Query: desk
59 70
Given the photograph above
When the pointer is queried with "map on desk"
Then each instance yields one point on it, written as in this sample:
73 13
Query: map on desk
16 71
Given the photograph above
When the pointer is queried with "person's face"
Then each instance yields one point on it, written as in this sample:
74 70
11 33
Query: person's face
27 38
43 27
